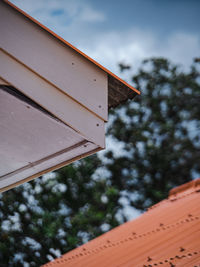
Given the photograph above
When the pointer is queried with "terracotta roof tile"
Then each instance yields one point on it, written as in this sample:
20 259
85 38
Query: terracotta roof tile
168 234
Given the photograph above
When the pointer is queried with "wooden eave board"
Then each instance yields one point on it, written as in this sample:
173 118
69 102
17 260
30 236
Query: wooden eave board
33 141
118 90
51 98
53 61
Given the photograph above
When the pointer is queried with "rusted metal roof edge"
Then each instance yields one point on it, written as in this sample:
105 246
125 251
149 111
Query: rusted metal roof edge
107 245
88 249
179 192
192 185
70 45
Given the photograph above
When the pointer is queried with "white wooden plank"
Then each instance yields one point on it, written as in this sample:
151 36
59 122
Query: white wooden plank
46 166
52 99
53 60
28 134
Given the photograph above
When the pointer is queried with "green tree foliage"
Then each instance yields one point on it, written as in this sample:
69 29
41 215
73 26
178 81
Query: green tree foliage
57 212
157 141
160 133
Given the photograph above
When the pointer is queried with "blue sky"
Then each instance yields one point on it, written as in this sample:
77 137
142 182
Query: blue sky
124 31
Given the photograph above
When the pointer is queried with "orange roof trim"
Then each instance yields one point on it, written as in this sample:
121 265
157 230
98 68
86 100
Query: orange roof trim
183 189
167 235
71 46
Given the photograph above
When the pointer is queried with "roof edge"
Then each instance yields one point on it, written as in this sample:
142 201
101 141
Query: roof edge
185 187
70 45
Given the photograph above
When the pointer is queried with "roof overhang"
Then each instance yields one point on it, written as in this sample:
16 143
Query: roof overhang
119 91
54 99
34 141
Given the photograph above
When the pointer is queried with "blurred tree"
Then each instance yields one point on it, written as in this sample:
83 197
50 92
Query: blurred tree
45 218
159 132
157 147
124 67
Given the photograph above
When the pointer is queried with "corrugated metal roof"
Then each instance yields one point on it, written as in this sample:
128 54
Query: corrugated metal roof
168 234
118 90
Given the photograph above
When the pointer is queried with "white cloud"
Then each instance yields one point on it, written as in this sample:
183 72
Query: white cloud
182 47
88 14
72 19
51 11
133 46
